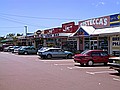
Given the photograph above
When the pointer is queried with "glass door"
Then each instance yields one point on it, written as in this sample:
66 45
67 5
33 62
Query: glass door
93 44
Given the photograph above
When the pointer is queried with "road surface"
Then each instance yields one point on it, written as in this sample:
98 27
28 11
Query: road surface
29 72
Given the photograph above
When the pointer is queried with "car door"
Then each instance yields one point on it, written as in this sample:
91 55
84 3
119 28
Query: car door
61 53
104 56
28 49
54 53
33 50
57 53
96 57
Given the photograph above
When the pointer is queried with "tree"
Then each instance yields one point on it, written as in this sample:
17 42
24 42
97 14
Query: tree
18 34
11 35
1 38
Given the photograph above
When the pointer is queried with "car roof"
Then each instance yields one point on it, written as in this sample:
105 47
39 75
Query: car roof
51 48
96 50
54 48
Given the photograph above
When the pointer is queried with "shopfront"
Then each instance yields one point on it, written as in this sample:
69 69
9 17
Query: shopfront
107 39
115 45
58 37
99 33
72 44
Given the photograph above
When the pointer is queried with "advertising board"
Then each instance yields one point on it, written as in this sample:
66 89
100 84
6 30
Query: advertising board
100 22
115 20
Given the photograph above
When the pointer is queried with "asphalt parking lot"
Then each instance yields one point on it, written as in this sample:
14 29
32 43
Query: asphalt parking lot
60 74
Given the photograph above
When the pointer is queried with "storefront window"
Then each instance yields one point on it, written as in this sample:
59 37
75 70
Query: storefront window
93 44
116 45
90 43
103 43
87 44
71 46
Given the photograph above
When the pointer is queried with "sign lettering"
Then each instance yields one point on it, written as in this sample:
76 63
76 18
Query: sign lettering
96 22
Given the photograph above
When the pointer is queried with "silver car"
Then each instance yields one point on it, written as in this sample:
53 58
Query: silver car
47 52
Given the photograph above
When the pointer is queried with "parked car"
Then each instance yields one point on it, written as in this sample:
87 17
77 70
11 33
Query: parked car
12 48
8 49
47 52
1 48
27 50
115 64
15 49
89 57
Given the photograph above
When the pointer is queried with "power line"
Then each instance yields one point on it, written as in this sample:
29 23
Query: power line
12 27
20 22
39 17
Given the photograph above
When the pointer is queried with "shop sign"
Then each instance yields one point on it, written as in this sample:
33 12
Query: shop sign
115 20
71 39
48 31
48 35
68 27
56 30
116 41
96 22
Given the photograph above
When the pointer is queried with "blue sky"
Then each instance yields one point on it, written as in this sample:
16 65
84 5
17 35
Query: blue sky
45 14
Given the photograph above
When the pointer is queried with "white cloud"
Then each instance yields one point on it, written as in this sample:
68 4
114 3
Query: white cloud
98 4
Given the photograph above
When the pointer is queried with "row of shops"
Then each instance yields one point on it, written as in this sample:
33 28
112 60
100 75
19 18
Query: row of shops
96 33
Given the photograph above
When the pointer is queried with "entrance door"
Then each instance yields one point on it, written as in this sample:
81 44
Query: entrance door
93 44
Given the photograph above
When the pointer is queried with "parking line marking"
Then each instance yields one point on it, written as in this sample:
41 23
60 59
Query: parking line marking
78 67
63 64
71 68
57 60
100 72
116 79
91 73
4 52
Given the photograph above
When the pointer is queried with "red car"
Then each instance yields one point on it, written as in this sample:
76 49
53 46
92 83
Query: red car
89 57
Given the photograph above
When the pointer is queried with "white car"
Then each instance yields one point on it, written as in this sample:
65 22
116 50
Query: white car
47 52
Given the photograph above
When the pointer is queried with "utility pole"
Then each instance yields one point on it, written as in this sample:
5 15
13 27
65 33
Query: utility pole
26 30
26 34
119 35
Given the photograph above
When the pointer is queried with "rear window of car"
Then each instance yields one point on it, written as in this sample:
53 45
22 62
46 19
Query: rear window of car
95 54
85 52
103 53
32 48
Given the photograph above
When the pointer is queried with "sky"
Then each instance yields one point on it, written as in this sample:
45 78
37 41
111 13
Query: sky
47 14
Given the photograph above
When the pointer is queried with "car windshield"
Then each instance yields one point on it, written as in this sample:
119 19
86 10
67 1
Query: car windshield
22 47
85 52
43 48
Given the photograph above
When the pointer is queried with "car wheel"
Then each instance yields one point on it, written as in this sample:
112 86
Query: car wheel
90 63
49 56
25 53
69 56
